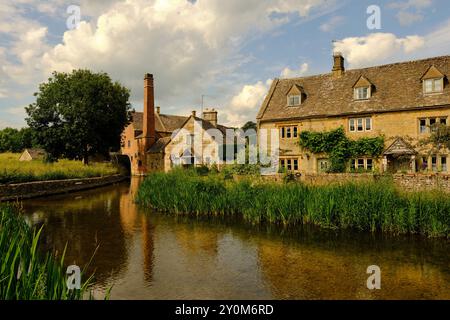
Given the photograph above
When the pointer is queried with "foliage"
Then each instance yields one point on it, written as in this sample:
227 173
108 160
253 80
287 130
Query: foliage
14 140
25 274
79 114
375 206
440 136
249 125
242 170
14 171
339 147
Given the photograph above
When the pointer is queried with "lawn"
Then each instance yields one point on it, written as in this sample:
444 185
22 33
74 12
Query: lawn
14 171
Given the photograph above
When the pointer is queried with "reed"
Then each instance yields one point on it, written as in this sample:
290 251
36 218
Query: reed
26 274
376 206
14 171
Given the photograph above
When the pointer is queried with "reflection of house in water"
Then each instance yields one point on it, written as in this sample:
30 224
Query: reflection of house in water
132 219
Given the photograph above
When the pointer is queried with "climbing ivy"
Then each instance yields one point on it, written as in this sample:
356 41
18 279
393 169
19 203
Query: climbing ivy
339 147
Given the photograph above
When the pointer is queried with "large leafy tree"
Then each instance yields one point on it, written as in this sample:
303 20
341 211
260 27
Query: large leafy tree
79 114
14 140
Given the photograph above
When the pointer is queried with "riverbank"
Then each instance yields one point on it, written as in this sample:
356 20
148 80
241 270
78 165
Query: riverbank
14 171
369 206
26 274
20 191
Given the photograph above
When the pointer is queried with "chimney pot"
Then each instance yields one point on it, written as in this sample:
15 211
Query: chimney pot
194 113
158 109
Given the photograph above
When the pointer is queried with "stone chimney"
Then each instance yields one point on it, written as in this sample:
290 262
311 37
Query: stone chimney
194 113
149 132
158 109
211 116
338 66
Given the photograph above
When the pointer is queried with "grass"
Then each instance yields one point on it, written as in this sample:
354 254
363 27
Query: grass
14 171
25 274
375 206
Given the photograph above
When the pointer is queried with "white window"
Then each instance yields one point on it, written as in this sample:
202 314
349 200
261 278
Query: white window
294 100
190 139
352 125
433 85
362 93
444 164
361 164
360 124
423 125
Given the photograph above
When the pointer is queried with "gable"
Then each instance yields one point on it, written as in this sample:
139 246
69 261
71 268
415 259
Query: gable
295 90
399 147
432 73
362 83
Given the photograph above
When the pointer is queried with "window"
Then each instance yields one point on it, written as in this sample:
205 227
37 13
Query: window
433 124
362 93
361 164
444 164
324 165
423 125
424 163
190 139
434 163
294 100
291 164
360 124
352 125
433 85
368 124
289 132
443 121
369 164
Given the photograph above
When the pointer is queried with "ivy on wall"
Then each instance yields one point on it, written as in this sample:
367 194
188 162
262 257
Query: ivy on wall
339 147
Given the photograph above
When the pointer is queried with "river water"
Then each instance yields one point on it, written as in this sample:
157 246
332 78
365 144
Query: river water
146 255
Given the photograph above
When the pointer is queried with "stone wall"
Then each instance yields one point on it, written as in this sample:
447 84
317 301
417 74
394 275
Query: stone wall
9 192
406 182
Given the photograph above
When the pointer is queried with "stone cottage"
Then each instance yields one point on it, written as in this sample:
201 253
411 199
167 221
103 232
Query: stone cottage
402 102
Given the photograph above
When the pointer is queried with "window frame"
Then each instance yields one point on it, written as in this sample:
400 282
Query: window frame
294 100
433 86
358 90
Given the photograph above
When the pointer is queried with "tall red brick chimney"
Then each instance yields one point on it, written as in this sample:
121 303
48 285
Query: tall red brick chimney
149 132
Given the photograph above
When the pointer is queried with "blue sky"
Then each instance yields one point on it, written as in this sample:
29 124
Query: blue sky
229 51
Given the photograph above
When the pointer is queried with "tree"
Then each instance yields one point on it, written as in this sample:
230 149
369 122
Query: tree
79 114
440 136
14 140
249 125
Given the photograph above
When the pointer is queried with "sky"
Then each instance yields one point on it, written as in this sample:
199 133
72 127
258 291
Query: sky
226 51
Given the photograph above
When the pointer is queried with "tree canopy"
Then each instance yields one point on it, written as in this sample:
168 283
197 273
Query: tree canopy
14 140
79 114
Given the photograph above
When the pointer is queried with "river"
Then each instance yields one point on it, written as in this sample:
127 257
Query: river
147 255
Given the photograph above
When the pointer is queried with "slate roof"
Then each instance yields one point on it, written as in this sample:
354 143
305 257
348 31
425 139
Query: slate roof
163 122
396 87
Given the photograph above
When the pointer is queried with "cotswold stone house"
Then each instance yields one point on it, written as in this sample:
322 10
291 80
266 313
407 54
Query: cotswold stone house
147 140
401 101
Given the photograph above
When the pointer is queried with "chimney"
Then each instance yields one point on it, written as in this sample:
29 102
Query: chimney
211 116
158 109
149 132
338 67
194 113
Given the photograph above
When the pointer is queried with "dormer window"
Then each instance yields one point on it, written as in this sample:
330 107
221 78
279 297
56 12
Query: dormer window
362 93
362 90
294 100
295 96
433 81
433 85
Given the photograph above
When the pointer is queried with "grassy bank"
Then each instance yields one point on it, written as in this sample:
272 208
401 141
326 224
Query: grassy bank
24 273
14 171
369 206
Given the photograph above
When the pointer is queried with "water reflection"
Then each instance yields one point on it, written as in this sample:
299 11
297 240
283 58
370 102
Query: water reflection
152 256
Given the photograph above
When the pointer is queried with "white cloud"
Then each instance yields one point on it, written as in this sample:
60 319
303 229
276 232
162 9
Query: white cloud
332 24
289 73
376 48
